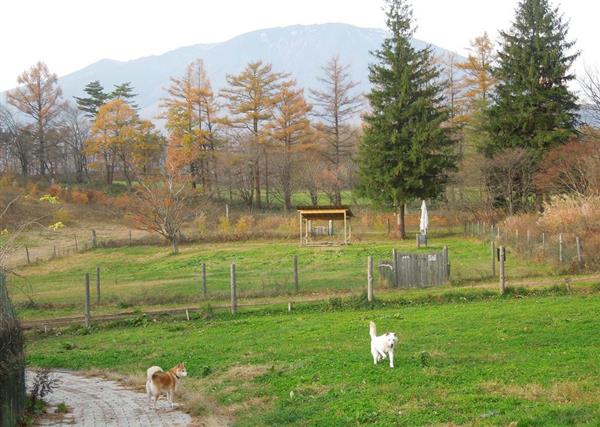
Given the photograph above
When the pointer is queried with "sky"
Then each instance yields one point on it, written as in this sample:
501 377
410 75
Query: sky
71 34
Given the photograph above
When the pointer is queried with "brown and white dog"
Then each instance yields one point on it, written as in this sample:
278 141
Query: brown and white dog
383 345
159 382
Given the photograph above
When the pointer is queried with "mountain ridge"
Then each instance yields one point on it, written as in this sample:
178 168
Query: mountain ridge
301 50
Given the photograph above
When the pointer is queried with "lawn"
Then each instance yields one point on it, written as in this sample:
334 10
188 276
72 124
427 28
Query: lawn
532 360
145 276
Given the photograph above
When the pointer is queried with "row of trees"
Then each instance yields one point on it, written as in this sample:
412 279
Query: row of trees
435 125
259 134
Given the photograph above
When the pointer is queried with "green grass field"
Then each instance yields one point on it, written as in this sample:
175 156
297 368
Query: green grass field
529 361
150 276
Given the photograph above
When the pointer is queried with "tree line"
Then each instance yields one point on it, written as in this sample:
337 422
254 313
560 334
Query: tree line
432 127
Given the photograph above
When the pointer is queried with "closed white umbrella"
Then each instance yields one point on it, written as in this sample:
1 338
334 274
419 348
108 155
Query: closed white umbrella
424 225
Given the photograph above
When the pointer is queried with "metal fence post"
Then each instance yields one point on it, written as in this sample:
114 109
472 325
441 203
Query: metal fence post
94 239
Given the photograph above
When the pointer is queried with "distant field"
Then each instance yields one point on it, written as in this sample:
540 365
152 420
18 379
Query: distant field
145 276
528 361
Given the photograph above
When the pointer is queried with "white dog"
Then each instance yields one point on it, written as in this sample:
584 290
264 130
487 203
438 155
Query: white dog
383 345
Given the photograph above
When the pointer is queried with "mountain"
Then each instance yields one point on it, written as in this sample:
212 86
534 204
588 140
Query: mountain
300 50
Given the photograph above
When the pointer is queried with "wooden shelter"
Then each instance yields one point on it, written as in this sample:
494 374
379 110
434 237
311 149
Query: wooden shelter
308 214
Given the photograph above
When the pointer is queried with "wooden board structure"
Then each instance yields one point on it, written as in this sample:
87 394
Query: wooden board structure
307 214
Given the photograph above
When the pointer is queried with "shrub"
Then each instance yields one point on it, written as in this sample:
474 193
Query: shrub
63 216
200 223
244 224
55 190
224 226
79 197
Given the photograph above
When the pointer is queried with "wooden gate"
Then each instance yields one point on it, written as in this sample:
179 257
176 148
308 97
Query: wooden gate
416 270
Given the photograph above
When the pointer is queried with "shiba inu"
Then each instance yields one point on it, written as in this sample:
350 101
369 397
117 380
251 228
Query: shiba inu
383 345
160 382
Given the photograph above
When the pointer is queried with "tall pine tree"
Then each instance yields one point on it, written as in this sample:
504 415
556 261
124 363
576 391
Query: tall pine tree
96 98
406 152
533 106
124 91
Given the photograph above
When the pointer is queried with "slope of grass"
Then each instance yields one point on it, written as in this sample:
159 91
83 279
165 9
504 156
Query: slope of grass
532 361
137 276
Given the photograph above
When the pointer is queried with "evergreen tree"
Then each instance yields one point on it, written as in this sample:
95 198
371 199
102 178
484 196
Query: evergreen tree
406 152
124 91
533 107
97 97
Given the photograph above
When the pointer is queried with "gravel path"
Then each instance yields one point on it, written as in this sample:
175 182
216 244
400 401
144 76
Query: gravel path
98 402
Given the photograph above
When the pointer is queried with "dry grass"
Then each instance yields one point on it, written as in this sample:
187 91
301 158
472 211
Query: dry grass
559 392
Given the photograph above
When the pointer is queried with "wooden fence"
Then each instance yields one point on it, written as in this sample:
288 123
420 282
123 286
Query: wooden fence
12 362
416 270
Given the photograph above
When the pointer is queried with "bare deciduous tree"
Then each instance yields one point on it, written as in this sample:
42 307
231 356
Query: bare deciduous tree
591 89
336 105
164 204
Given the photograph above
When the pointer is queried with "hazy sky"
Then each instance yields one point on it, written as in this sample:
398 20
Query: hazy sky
70 34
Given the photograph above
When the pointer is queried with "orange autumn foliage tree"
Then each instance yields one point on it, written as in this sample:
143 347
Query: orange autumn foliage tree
251 97
39 97
119 137
191 113
290 134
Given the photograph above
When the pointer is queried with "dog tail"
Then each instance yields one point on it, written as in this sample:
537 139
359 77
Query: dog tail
151 371
372 329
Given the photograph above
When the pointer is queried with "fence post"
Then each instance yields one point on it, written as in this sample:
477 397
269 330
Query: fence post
94 239
493 244
27 252
54 252
86 313
296 284
204 288
233 290
465 227
579 250
130 239
395 264
502 256
447 262
544 245
561 243
370 279
97 285
76 244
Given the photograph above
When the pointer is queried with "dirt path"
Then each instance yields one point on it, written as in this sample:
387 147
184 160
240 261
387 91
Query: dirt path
98 402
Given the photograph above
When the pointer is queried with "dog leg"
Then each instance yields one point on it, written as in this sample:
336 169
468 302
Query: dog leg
375 355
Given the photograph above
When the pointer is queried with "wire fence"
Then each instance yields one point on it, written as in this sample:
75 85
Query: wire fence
12 362
565 252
